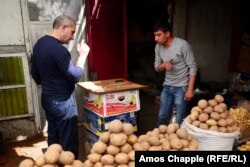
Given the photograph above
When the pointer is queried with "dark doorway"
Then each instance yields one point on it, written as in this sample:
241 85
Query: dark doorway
141 16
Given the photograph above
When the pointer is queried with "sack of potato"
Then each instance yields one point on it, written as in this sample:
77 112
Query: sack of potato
54 156
117 146
211 125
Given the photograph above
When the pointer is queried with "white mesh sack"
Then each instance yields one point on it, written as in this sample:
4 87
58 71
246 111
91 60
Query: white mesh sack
211 140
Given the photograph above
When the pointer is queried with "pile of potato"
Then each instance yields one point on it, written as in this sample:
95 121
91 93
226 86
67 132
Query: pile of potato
165 138
54 156
212 115
117 146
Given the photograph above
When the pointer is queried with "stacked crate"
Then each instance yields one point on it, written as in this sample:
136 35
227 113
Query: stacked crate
106 100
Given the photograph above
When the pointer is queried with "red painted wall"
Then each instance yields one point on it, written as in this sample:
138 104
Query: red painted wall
106 35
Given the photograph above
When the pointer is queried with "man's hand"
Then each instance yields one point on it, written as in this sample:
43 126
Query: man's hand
83 48
189 95
168 65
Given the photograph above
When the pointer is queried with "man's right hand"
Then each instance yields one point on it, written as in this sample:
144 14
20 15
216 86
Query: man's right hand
83 48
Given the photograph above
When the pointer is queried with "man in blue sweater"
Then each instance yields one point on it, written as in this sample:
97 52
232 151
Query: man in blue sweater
175 57
54 72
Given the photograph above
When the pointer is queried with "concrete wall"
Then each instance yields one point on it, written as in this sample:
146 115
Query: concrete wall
206 24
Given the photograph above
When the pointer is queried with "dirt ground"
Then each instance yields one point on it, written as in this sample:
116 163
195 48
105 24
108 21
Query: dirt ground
15 152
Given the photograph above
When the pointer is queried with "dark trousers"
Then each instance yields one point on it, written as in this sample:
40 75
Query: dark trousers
61 114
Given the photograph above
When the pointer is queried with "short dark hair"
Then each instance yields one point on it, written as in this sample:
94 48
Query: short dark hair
162 26
62 20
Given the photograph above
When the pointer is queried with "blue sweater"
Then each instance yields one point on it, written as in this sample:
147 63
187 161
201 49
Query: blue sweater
53 68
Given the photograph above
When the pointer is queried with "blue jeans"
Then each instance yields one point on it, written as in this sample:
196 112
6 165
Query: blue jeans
172 96
62 117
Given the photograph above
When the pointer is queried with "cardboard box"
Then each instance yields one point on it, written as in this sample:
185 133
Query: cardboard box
111 97
98 124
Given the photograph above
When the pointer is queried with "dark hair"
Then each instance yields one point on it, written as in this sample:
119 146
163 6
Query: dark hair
62 20
162 26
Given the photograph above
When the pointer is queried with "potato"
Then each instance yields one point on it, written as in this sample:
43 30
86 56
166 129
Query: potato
122 165
223 105
185 143
154 141
197 108
128 128
98 164
224 115
138 147
193 145
66 158
222 122
182 133
172 136
126 148
203 117
163 139
145 145
142 138
230 129
166 145
77 163
203 126
131 155
155 148
214 128
131 164
50 165
208 110
215 116
196 123
132 139
155 132
189 119
211 122
88 163
118 139
51 156
219 98
172 127
99 147
161 136
56 146
113 150
115 126
202 103
121 158
222 129
212 102
40 161
194 115
107 159
163 129
218 109
94 157
105 137
176 143
26 163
